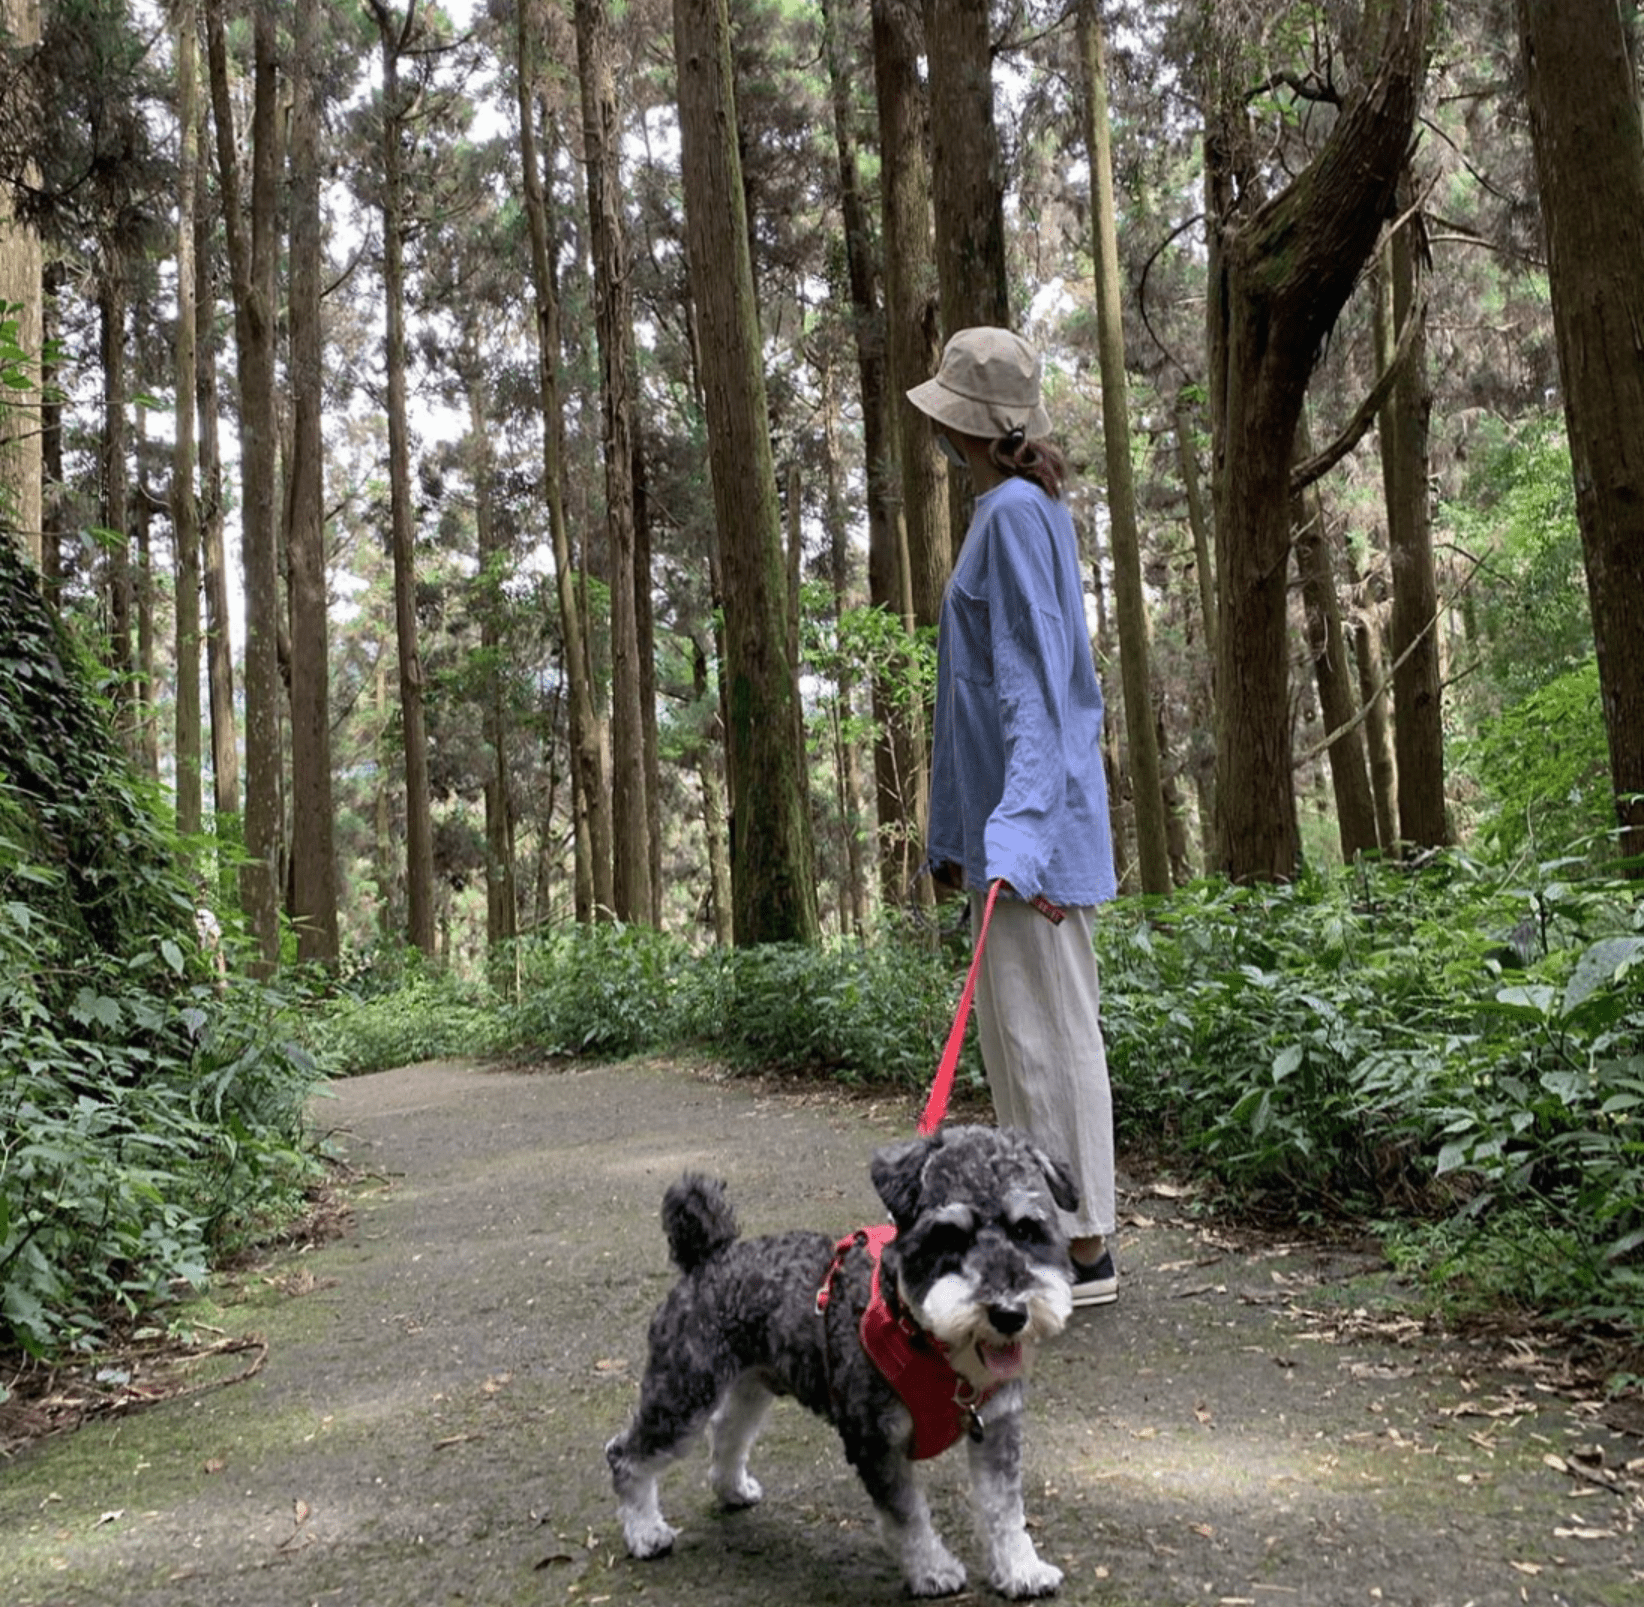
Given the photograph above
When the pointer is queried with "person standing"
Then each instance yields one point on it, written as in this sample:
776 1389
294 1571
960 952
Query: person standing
1018 793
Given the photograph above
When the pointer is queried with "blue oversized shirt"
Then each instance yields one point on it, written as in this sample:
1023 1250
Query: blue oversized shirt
1017 786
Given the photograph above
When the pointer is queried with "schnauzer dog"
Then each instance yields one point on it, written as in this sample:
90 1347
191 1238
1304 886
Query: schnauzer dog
905 1337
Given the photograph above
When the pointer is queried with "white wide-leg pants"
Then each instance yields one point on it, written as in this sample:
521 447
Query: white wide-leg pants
1038 1014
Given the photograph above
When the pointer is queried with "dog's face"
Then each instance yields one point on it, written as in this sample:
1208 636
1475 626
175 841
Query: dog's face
980 1259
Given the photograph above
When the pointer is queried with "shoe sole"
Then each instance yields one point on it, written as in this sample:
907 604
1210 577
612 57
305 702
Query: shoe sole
1096 1295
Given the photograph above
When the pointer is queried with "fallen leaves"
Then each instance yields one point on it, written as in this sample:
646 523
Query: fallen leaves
157 1367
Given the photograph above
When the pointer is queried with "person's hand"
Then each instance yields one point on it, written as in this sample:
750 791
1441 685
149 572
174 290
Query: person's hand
947 875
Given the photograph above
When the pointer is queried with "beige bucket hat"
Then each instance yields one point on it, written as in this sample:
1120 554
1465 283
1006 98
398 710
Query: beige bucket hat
988 385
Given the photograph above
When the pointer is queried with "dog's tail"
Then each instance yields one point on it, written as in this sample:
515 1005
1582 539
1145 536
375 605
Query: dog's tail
698 1220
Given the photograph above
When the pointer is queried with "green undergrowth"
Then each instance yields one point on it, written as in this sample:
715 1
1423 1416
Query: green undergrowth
1452 1054
1454 1051
150 1124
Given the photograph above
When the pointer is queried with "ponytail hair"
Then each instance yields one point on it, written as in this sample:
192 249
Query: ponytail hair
1015 456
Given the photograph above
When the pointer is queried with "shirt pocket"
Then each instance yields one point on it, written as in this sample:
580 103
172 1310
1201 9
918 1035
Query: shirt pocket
972 636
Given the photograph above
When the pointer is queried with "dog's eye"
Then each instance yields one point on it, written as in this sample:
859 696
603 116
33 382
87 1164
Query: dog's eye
945 1239
1029 1230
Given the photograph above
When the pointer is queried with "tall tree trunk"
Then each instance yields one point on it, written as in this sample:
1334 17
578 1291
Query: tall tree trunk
1584 120
1280 272
912 318
253 263
713 805
419 828
967 189
145 686
225 740
389 918
114 473
185 507
313 854
1418 730
913 350
589 802
1198 519
884 533
21 286
1135 628
853 900
772 879
1201 760
501 889
52 498
645 630
1355 811
613 317
967 165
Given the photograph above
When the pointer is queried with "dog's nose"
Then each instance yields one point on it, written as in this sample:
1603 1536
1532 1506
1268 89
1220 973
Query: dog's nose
1006 1319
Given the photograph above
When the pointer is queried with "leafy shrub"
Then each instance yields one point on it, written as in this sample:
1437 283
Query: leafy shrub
606 989
873 1014
1443 1043
1543 766
424 1014
145 1132
147 1123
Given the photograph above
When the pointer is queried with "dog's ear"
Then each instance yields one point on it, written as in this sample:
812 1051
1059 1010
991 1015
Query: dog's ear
1063 1190
898 1174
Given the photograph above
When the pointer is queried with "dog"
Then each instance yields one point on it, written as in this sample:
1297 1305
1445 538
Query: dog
953 1298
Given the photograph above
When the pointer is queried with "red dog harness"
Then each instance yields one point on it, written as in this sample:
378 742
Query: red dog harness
943 1405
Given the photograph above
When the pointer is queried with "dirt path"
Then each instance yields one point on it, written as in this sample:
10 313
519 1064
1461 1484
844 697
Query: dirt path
440 1381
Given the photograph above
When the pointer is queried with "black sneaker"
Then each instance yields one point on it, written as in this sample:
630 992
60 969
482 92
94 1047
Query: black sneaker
1096 1284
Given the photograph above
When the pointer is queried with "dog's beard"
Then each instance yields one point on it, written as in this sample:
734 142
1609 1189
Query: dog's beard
952 1312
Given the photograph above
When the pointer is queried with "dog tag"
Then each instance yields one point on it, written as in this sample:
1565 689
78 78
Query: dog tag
974 1429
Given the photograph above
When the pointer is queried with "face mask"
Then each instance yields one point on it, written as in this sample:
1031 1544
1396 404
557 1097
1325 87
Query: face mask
951 452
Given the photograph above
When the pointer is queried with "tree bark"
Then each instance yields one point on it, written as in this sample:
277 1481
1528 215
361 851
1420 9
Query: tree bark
967 166
419 830
1135 628
21 269
590 809
885 579
853 898
185 514
1280 272
313 854
253 264
1350 779
912 319
1418 729
613 318
1589 147
967 171
219 648
773 883
114 472
501 883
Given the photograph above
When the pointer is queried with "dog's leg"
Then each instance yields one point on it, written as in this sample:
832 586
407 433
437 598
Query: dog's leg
928 1567
1014 1567
661 1432
644 1530
735 1425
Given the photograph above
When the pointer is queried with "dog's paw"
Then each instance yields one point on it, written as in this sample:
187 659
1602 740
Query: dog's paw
937 1576
744 1490
1028 1580
649 1538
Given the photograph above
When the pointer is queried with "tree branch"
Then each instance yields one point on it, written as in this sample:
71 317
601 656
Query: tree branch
1321 463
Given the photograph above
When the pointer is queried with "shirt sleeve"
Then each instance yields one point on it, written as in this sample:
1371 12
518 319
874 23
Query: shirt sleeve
1032 675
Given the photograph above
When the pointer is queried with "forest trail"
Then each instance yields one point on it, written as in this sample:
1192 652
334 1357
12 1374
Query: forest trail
1248 1425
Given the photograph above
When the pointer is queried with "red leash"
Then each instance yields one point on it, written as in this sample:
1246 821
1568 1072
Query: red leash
936 1106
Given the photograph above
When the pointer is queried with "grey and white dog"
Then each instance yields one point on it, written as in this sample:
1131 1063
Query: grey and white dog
978 1269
